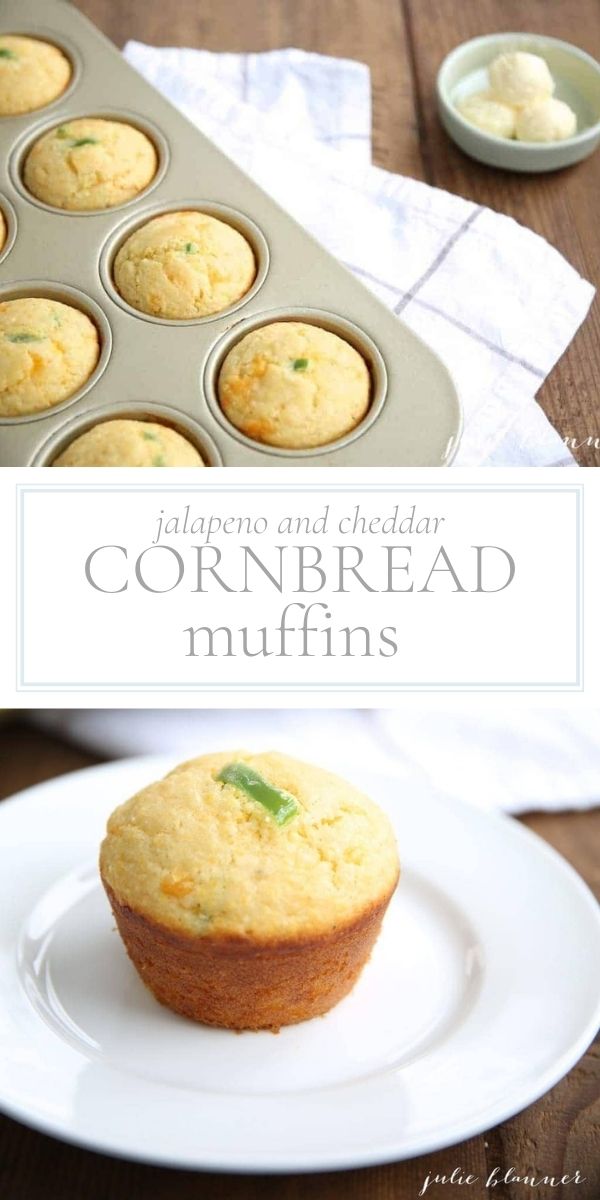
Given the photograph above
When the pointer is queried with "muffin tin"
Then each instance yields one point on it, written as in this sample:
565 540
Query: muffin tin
168 370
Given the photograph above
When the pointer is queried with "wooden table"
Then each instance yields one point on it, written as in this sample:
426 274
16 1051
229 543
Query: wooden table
553 1137
403 42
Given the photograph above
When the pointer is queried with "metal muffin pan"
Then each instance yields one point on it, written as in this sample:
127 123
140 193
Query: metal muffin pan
167 370
160 414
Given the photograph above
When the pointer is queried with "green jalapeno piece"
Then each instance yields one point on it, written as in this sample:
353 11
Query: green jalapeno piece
282 805
24 337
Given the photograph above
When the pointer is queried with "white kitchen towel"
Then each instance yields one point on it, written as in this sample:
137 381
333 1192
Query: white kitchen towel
517 762
496 301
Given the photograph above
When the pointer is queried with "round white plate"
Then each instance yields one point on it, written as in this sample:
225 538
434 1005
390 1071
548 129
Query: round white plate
482 992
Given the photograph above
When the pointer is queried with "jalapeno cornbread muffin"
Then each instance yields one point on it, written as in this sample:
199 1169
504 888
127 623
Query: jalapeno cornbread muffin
47 352
129 443
182 265
249 889
294 385
90 163
32 73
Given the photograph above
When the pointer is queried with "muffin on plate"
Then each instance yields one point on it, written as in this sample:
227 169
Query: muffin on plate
129 443
3 231
48 350
32 73
294 385
90 163
249 889
182 265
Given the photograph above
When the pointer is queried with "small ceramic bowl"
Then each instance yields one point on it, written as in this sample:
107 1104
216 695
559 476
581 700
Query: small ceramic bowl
577 78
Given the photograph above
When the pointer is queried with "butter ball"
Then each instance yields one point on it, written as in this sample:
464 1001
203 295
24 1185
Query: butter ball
488 114
520 78
546 121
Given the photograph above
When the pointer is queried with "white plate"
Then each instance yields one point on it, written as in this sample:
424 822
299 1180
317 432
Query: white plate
482 992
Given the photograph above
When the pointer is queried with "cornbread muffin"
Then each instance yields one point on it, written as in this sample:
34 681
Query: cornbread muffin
90 163
3 231
294 385
249 889
548 120
32 73
47 352
129 443
183 265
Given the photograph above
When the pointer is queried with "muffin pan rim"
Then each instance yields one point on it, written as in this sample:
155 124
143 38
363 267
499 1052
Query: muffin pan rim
12 225
243 224
27 139
136 410
39 33
322 319
50 290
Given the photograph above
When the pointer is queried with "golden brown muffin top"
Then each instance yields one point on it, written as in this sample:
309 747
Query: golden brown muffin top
202 856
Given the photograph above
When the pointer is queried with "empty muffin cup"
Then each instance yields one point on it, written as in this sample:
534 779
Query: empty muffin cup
48 351
129 443
294 385
90 163
184 266
33 73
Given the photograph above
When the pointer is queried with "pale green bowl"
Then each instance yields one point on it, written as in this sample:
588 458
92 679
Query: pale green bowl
577 78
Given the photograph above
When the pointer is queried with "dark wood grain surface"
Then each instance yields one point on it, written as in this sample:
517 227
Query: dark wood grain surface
556 1136
403 42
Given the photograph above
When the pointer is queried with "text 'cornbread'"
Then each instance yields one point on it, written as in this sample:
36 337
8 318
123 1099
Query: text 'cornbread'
208 889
